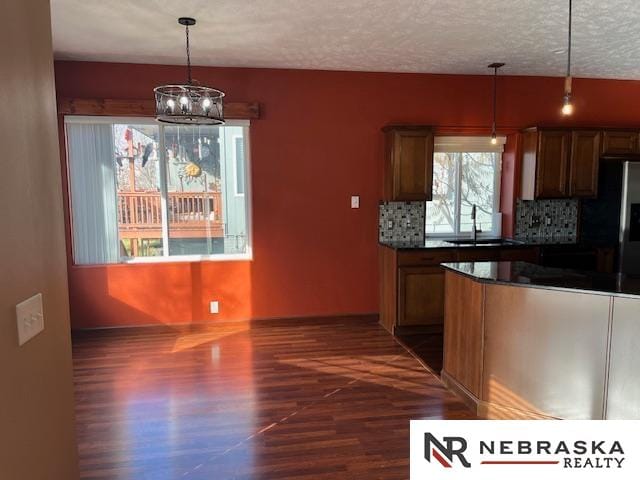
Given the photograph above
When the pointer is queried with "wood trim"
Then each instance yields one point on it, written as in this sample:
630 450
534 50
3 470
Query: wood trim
145 107
491 411
468 398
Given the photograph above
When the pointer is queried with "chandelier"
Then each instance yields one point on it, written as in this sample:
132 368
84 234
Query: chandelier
189 103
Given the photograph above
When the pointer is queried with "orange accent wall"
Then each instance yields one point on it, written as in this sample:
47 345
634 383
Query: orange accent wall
317 143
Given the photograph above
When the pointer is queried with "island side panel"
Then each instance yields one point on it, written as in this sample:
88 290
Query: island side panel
463 331
545 352
623 402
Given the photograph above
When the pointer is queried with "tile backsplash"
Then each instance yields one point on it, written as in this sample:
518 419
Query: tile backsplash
547 221
401 222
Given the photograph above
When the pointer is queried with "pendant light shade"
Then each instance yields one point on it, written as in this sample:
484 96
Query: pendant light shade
495 66
567 101
189 103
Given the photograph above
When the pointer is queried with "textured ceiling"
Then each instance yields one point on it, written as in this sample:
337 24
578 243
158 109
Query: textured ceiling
437 36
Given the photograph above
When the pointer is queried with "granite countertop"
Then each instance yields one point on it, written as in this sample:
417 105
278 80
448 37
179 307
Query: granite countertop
431 243
536 276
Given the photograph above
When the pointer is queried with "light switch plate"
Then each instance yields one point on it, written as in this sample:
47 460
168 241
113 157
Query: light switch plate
355 201
30 318
214 307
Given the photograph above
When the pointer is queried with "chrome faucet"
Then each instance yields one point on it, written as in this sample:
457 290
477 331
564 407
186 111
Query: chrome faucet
474 230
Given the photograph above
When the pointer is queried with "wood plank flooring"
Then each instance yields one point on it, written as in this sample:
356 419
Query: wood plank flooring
295 399
428 347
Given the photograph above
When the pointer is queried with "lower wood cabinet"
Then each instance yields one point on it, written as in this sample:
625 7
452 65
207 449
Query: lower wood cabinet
412 283
463 331
420 296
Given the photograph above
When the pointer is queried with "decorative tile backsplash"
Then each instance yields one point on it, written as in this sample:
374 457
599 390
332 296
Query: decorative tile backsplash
401 222
547 221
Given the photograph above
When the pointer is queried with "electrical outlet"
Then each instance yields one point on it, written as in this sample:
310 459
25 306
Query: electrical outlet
214 307
389 224
355 201
30 318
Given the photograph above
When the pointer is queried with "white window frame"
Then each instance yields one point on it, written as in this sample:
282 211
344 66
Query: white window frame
166 258
235 165
461 145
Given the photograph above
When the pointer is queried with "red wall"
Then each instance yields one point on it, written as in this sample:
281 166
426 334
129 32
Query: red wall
317 143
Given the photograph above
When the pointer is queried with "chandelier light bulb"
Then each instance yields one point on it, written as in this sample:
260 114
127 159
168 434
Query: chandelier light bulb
494 139
171 104
206 104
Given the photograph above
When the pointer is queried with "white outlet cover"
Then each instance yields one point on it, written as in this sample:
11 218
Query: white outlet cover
355 201
29 318
214 307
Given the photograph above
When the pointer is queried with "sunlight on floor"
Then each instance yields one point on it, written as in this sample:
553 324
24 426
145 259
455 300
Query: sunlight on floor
191 340
384 370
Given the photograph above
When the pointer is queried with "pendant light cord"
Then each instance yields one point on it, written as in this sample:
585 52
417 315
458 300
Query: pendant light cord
569 48
188 55
495 96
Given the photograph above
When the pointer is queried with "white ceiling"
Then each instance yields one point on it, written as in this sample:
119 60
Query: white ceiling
436 36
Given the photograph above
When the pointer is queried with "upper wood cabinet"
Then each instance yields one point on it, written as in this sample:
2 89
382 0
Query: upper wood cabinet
559 163
408 170
620 142
584 163
545 164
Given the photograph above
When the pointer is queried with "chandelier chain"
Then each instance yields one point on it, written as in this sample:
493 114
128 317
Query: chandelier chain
190 80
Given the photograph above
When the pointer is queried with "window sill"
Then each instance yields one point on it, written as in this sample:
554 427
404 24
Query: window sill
240 257
190 258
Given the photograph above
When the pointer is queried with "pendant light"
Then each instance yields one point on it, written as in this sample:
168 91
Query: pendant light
495 66
567 104
189 103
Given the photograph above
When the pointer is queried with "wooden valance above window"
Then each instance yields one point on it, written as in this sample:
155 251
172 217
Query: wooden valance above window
146 108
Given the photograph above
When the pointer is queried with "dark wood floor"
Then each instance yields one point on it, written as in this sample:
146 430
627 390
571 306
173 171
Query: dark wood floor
427 347
280 400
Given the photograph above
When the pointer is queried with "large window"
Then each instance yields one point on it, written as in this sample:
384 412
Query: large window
466 172
146 191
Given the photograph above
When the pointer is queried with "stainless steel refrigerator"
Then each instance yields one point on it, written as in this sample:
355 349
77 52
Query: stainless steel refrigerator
629 258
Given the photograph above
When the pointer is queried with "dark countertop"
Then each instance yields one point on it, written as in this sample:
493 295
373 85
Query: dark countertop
435 244
536 276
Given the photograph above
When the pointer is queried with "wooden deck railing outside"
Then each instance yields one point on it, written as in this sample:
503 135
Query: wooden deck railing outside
191 214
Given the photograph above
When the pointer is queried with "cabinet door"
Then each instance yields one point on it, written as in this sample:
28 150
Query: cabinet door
478 254
552 164
420 296
620 142
583 167
412 164
526 254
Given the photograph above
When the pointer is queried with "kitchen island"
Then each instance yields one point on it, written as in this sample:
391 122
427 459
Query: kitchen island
525 341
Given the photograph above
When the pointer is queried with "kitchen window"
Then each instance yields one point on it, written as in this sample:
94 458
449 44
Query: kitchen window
466 172
144 191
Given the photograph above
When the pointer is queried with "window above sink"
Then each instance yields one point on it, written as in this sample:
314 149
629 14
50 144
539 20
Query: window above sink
466 172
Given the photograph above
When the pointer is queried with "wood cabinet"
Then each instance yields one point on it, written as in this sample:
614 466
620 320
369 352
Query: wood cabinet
545 164
524 254
559 163
412 282
420 296
616 142
463 332
408 168
584 163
